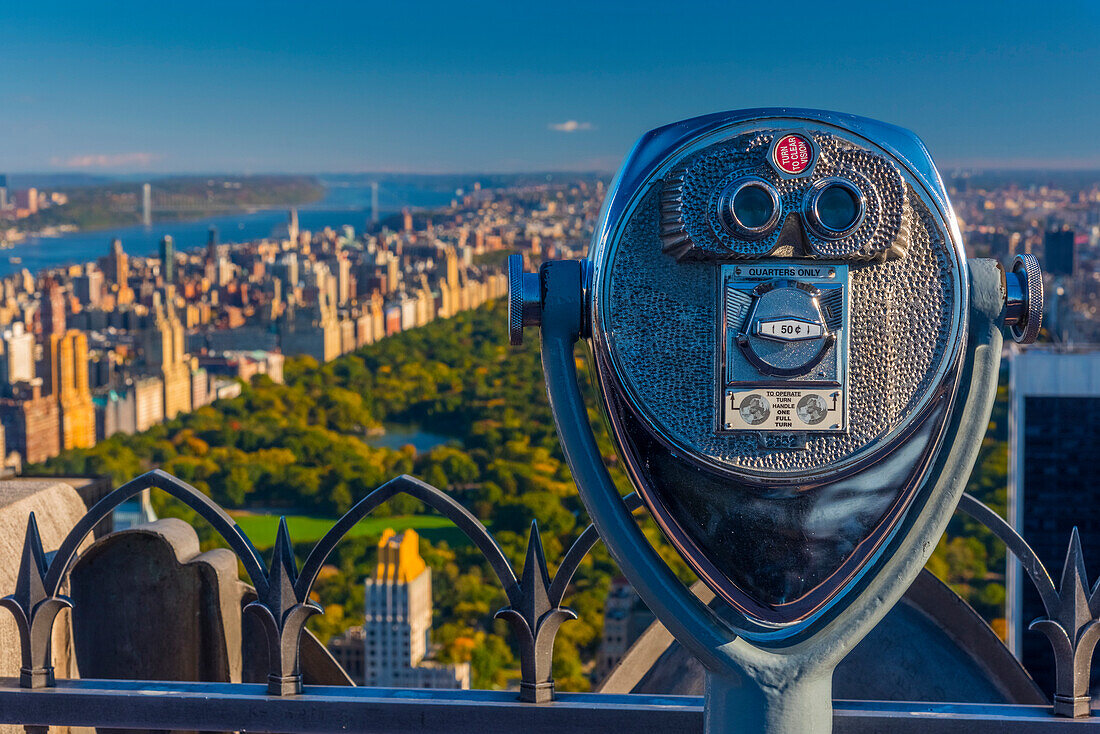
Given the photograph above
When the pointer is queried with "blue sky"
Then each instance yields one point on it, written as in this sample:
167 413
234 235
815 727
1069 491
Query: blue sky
443 87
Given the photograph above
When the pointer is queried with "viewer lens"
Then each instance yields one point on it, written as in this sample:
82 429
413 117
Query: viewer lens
749 208
753 207
835 209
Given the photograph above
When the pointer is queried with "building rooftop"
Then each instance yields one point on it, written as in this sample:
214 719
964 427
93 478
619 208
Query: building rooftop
399 557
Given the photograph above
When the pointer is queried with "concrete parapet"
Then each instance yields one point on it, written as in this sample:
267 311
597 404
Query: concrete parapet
57 508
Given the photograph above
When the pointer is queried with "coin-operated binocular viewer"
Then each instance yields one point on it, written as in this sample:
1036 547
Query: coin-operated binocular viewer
798 365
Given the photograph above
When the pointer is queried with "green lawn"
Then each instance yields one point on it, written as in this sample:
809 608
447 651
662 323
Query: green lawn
262 528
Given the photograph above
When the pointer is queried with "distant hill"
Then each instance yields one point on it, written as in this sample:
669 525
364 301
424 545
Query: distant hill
118 202
58 180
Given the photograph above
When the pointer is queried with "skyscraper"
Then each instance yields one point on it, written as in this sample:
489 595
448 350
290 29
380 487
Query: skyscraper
165 357
1054 448
69 380
146 204
118 272
88 288
286 269
1058 252
212 244
53 309
168 259
343 279
398 614
3 192
292 227
175 369
17 364
450 290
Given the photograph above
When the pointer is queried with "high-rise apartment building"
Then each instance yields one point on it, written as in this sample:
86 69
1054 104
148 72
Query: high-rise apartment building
146 204
53 309
1054 448
286 269
343 279
148 403
30 421
134 406
27 200
314 331
1058 252
17 364
450 290
88 288
398 620
168 259
165 357
625 618
292 226
69 380
118 273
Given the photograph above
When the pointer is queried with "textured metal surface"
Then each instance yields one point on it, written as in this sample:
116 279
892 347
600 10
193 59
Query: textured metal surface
662 312
654 325
515 299
777 661
524 299
692 215
1027 304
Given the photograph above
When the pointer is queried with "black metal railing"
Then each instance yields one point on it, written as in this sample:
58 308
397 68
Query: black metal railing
534 612
1072 621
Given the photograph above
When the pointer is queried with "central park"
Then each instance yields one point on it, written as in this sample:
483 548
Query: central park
304 449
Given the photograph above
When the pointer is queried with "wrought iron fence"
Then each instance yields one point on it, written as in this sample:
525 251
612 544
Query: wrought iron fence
534 612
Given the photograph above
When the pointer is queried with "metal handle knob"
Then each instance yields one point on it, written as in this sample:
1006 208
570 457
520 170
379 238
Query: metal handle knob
1024 299
524 299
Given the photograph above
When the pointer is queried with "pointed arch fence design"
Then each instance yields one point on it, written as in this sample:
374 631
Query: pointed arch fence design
534 612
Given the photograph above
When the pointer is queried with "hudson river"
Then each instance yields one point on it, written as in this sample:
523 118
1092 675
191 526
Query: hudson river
342 205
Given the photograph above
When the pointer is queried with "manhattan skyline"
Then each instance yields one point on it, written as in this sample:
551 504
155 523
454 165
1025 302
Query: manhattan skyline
504 88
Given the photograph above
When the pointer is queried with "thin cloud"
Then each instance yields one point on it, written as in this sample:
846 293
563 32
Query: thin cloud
108 160
571 126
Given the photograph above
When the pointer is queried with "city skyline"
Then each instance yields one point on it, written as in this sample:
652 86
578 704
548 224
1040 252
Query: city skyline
511 88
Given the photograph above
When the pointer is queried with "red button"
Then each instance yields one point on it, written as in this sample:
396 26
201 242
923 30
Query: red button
792 154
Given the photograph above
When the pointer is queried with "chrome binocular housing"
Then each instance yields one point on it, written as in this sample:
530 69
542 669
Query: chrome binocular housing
777 305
